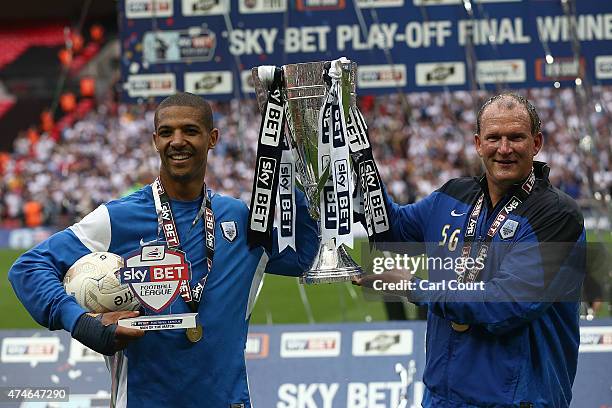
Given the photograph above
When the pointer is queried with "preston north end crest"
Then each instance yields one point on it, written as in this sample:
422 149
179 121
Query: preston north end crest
229 230
508 229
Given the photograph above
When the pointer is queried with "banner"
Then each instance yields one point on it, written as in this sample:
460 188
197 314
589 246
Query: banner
209 46
362 365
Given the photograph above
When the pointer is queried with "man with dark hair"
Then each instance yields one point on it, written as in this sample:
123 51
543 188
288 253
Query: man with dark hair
170 368
502 327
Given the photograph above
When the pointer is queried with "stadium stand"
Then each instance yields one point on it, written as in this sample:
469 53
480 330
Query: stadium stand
15 41
416 150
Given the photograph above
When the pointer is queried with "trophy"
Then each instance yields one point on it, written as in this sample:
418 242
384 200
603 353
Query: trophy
305 88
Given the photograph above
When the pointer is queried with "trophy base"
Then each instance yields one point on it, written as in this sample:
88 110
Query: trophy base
332 264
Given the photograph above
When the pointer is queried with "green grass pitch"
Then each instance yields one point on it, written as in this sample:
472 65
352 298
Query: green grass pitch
279 302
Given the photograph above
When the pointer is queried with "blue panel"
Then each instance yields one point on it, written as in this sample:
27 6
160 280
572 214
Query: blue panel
331 365
208 46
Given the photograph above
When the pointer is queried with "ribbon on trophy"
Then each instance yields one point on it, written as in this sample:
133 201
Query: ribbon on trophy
327 197
274 172
334 159
285 200
369 195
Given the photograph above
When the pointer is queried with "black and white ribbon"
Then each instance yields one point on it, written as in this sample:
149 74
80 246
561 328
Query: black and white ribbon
327 197
342 175
369 195
268 164
285 201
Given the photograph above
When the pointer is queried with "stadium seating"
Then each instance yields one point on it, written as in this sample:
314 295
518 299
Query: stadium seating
416 152
15 41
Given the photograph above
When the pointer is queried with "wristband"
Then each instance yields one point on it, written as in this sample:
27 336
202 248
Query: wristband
90 331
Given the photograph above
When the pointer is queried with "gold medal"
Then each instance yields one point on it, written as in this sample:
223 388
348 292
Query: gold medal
194 334
459 327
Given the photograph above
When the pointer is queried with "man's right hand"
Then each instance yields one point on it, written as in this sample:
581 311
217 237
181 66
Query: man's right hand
101 333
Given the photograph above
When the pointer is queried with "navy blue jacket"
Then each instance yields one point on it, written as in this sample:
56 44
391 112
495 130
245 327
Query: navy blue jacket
523 336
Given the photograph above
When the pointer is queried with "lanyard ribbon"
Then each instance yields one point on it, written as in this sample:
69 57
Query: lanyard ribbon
166 224
470 228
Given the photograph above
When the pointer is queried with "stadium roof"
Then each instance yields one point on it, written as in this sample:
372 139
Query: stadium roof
65 9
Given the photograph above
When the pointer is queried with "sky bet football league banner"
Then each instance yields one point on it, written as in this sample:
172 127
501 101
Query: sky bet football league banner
208 47
368 365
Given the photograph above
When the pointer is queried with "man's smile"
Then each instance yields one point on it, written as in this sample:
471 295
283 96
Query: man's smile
179 156
505 162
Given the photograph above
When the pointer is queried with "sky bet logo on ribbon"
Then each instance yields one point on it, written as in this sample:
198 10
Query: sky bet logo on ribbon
154 274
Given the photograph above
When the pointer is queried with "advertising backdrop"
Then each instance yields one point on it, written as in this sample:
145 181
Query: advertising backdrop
208 47
367 365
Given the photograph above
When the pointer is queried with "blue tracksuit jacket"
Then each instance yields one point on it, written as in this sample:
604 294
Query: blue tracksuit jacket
522 344
163 369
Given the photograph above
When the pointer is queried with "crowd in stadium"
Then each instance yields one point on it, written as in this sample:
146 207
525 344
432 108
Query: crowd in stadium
420 140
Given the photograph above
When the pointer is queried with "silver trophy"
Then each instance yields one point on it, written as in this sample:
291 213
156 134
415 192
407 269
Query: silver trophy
304 89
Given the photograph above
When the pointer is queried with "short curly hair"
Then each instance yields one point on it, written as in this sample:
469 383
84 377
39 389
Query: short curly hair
534 119
187 99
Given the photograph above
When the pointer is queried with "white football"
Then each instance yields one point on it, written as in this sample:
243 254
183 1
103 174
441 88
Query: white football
93 281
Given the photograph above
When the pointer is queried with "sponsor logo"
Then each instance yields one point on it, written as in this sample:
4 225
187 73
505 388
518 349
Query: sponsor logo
595 339
148 8
262 6
603 67
562 69
153 252
310 344
30 350
495 71
456 214
229 230
528 184
373 200
512 205
508 229
272 130
147 85
144 243
210 82
83 354
381 76
285 198
155 279
382 342
191 44
263 193
443 73
447 2
205 7
471 228
257 346
380 3
170 232
313 5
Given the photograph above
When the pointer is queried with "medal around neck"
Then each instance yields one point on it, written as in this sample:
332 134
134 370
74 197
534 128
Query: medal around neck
154 274
458 327
194 334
